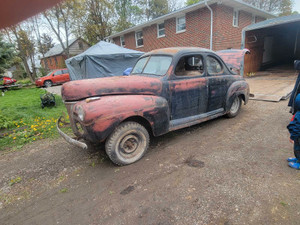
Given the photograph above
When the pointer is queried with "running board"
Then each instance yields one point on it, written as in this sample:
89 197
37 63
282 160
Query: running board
192 120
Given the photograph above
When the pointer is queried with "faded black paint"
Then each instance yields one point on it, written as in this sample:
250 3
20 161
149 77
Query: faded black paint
188 100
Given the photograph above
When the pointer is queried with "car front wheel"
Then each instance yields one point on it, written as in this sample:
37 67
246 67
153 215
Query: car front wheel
235 107
48 83
127 144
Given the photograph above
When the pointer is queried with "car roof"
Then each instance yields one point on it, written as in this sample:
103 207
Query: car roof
177 50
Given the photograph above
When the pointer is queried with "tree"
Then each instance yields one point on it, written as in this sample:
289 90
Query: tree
286 8
24 47
191 2
174 5
45 44
128 13
60 22
6 55
281 7
158 8
123 8
154 8
97 25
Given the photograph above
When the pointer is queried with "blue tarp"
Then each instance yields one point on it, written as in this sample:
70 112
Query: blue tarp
102 60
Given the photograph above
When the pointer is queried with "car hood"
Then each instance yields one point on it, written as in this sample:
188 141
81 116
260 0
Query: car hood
121 85
42 78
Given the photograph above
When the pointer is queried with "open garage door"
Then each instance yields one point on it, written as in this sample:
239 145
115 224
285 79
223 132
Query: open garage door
274 45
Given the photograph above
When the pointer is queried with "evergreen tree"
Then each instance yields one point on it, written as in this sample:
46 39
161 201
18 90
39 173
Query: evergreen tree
6 55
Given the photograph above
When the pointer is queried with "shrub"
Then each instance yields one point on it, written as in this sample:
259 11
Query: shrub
5 122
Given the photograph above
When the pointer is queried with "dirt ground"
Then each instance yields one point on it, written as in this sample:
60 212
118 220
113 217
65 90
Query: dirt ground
225 171
273 84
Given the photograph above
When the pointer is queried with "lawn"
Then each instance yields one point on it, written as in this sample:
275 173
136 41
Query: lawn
22 119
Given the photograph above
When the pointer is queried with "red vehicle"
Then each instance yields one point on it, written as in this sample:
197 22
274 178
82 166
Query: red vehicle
58 76
7 81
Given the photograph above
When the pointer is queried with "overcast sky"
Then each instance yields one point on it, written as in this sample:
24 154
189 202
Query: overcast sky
297 5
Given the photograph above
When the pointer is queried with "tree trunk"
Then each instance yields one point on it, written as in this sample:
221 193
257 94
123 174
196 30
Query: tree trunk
27 70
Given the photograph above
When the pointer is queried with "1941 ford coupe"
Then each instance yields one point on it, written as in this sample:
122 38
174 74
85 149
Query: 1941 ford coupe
168 89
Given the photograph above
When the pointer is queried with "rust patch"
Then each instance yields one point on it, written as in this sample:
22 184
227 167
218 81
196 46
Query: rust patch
111 86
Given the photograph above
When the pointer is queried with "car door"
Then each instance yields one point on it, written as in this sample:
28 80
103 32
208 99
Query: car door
188 87
65 75
57 77
219 80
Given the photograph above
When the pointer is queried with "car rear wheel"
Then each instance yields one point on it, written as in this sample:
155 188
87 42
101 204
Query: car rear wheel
127 144
48 83
235 107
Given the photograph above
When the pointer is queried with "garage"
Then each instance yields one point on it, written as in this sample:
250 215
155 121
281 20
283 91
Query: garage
274 45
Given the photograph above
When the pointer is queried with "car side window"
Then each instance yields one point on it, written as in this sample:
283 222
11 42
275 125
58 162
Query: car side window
214 67
65 71
191 65
58 72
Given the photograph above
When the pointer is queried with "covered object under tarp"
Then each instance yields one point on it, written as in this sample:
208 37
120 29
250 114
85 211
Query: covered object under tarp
101 60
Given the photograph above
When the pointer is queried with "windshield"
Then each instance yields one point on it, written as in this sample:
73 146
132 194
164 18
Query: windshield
156 65
48 74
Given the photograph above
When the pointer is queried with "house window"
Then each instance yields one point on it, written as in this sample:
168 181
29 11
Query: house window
235 22
180 24
56 63
122 41
253 19
139 39
161 30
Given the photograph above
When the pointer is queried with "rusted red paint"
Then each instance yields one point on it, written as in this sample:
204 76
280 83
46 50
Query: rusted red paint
234 58
82 89
189 84
166 102
100 115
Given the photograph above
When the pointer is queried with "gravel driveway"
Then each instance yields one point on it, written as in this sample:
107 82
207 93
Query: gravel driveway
225 171
54 89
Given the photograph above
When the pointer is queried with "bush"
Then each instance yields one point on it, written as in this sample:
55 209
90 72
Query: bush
24 81
5 122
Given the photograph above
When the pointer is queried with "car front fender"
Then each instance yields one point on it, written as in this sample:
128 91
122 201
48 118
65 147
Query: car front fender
102 116
238 88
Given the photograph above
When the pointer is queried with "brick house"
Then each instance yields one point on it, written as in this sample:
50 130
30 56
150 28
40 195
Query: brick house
55 57
191 26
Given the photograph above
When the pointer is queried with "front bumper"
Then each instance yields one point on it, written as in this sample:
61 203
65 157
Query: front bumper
70 140
38 83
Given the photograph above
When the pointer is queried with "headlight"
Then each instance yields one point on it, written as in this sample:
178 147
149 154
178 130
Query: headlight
80 112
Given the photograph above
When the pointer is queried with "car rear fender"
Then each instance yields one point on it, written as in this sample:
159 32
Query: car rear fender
104 115
238 88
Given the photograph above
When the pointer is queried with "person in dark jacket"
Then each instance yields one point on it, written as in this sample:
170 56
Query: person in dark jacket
294 129
296 89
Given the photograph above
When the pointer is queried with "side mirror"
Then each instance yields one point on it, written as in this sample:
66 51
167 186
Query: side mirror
53 75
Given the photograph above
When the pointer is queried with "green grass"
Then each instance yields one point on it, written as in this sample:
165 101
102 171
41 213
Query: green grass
22 119
24 81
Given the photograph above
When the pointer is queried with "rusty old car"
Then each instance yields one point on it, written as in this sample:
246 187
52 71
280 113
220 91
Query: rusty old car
168 89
